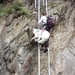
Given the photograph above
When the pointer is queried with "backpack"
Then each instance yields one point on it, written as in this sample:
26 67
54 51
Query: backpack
50 22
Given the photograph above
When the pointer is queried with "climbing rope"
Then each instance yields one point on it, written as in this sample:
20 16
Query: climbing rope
43 2
46 8
48 49
35 3
38 43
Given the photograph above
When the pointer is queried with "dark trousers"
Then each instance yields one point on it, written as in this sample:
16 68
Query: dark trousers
46 44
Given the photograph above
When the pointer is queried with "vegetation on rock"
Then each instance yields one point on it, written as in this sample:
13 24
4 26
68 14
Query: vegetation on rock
16 7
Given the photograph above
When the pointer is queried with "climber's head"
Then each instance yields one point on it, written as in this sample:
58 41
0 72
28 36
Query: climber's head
43 13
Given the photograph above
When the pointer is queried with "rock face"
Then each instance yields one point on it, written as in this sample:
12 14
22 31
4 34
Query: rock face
65 58
65 61
19 57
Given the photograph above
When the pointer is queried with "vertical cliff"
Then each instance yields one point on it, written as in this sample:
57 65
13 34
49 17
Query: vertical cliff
19 57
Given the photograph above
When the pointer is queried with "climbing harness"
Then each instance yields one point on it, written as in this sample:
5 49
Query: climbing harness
42 29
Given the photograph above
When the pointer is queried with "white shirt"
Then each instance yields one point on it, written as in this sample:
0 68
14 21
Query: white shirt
42 20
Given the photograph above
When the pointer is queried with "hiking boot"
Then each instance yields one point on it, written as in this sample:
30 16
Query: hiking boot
45 50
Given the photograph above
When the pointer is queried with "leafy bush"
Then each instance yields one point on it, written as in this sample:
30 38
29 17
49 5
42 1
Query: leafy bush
17 6
3 10
25 11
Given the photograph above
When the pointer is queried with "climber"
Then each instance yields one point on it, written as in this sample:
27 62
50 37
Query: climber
47 22
46 25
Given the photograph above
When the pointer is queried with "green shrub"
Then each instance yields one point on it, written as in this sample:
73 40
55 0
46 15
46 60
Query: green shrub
25 11
17 6
3 10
